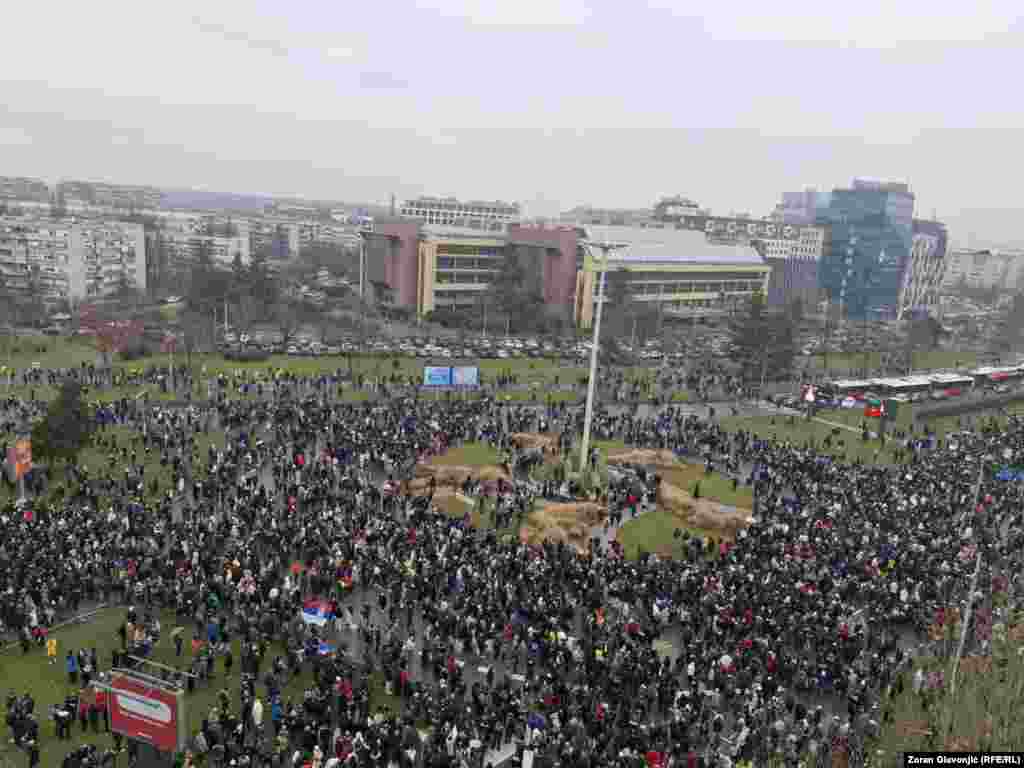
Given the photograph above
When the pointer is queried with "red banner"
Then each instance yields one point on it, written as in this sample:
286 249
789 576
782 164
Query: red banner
142 711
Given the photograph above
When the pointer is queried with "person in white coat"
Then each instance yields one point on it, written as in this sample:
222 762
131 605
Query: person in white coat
257 713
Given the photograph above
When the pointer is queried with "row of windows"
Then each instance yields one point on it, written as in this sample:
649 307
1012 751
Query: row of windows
464 262
461 221
454 297
682 277
656 289
465 278
455 209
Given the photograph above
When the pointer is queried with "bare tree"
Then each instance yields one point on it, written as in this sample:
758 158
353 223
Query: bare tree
288 321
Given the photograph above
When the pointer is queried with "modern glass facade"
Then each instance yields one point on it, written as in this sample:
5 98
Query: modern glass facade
871 239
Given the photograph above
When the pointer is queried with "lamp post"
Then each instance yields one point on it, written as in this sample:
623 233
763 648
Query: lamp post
588 416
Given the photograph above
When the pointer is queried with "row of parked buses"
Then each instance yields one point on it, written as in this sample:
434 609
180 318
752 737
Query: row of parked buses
935 386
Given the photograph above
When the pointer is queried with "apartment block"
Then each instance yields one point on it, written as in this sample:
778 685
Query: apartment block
21 188
58 259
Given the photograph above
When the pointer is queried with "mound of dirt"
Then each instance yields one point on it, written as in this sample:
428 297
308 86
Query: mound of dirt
701 513
645 458
568 523
447 474
528 440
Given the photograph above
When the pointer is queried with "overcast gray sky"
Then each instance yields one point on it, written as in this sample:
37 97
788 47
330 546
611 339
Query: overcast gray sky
549 103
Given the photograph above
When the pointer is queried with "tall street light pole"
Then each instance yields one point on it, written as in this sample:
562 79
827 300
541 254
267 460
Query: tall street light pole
588 417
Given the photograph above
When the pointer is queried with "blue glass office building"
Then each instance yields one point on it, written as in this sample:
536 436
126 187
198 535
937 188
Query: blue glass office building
872 230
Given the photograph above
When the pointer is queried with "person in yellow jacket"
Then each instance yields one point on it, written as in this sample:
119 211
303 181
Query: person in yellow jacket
51 650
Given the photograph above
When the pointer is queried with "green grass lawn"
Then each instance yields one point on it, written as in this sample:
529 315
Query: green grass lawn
715 487
655 532
609 446
801 432
107 443
844 363
468 455
49 683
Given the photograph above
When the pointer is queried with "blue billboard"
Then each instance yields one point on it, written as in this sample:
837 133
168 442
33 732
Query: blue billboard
466 376
437 376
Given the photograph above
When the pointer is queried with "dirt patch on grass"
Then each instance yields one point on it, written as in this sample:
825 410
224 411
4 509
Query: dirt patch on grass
447 501
568 523
448 474
528 440
701 513
645 458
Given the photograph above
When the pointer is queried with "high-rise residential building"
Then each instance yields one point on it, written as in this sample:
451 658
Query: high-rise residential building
485 216
23 189
106 257
924 271
56 258
34 257
871 232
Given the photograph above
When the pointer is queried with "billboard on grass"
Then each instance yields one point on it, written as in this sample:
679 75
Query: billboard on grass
146 712
19 459
466 376
437 376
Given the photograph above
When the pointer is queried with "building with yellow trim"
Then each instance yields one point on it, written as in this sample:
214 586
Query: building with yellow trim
678 270
423 267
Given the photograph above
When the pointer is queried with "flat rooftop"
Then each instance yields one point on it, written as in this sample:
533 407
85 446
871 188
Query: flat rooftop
670 246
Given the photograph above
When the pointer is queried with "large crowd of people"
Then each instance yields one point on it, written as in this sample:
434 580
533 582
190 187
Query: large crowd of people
433 643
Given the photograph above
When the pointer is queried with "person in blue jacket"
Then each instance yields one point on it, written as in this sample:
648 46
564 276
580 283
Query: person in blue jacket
71 664
276 713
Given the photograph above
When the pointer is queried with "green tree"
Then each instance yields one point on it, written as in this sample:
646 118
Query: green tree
763 343
262 286
207 283
519 302
287 319
1008 335
67 427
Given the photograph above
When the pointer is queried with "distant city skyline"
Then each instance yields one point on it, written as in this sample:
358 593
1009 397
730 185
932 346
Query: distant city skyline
608 104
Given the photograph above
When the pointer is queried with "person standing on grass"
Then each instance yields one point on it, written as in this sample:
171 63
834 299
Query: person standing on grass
71 664
51 650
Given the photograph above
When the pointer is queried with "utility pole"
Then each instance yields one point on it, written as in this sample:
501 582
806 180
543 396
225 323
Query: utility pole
362 267
965 620
588 416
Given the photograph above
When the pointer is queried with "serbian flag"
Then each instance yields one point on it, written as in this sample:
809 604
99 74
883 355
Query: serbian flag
873 408
655 759
316 612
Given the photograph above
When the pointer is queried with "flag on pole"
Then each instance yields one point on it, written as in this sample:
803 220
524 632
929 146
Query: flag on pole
873 408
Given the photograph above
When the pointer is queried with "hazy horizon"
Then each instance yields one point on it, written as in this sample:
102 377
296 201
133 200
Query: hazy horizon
552 105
